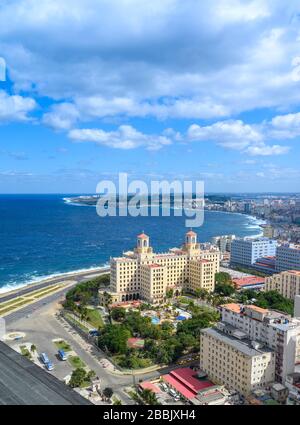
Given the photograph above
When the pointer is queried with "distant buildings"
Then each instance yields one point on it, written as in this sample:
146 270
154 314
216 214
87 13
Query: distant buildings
245 252
269 231
142 274
287 257
223 242
286 283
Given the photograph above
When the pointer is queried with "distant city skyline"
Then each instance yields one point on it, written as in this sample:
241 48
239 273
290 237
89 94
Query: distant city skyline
203 90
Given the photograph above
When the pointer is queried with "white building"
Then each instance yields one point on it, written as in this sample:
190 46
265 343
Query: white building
246 251
287 257
279 332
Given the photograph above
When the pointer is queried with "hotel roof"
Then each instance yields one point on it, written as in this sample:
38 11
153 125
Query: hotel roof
143 236
191 233
244 346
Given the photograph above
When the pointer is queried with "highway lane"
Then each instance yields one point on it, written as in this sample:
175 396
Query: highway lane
79 277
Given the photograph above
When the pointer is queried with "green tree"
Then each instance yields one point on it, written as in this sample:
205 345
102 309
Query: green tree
77 378
108 392
33 348
149 397
118 314
223 277
114 339
225 289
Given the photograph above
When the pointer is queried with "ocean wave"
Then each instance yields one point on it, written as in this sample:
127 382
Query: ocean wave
15 285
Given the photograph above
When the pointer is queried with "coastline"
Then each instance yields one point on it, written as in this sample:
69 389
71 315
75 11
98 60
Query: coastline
50 280
43 279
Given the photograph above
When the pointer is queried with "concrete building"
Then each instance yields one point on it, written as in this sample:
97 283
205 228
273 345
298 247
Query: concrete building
142 274
223 242
276 330
287 257
286 283
230 358
245 252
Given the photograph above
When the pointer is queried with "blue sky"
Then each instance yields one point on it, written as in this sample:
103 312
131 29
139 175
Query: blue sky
206 90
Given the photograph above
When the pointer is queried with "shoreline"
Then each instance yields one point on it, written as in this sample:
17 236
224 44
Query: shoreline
51 280
9 289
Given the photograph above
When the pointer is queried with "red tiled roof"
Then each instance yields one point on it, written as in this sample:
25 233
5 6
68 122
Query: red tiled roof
149 386
191 233
179 387
185 382
250 280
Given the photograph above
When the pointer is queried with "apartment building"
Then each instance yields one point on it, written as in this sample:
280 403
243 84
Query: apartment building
287 257
276 330
143 274
230 358
245 252
286 283
223 242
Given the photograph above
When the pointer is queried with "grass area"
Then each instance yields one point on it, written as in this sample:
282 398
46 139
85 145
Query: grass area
14 306
25 352
85 384
94 318
63 345
76 322
76 362
44 292
140 363
22 301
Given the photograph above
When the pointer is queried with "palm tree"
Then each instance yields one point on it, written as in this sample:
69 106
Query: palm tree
149 397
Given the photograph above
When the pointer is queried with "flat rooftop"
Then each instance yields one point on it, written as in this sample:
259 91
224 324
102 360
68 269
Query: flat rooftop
243 346
24 383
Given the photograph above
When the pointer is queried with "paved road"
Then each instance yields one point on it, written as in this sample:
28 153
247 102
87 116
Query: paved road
42 327
52 298
78 277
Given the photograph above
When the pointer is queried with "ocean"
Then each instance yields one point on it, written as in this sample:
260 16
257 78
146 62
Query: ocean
42 236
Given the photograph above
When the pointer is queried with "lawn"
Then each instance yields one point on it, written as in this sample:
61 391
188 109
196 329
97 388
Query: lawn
63 345
76 362
94 318
25 352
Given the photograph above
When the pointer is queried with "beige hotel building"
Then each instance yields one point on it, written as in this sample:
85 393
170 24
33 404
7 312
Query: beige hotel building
286 283
143 274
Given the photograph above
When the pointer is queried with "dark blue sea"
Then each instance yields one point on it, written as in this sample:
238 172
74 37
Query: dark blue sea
42 235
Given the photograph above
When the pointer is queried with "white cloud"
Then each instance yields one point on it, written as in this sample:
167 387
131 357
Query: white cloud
286 126
15 108
62 116
125 137
267 150
229 134
197 59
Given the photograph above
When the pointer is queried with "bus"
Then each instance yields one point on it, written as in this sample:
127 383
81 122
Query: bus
62 355
44 358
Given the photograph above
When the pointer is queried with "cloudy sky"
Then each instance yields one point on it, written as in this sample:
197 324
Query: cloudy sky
189 89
